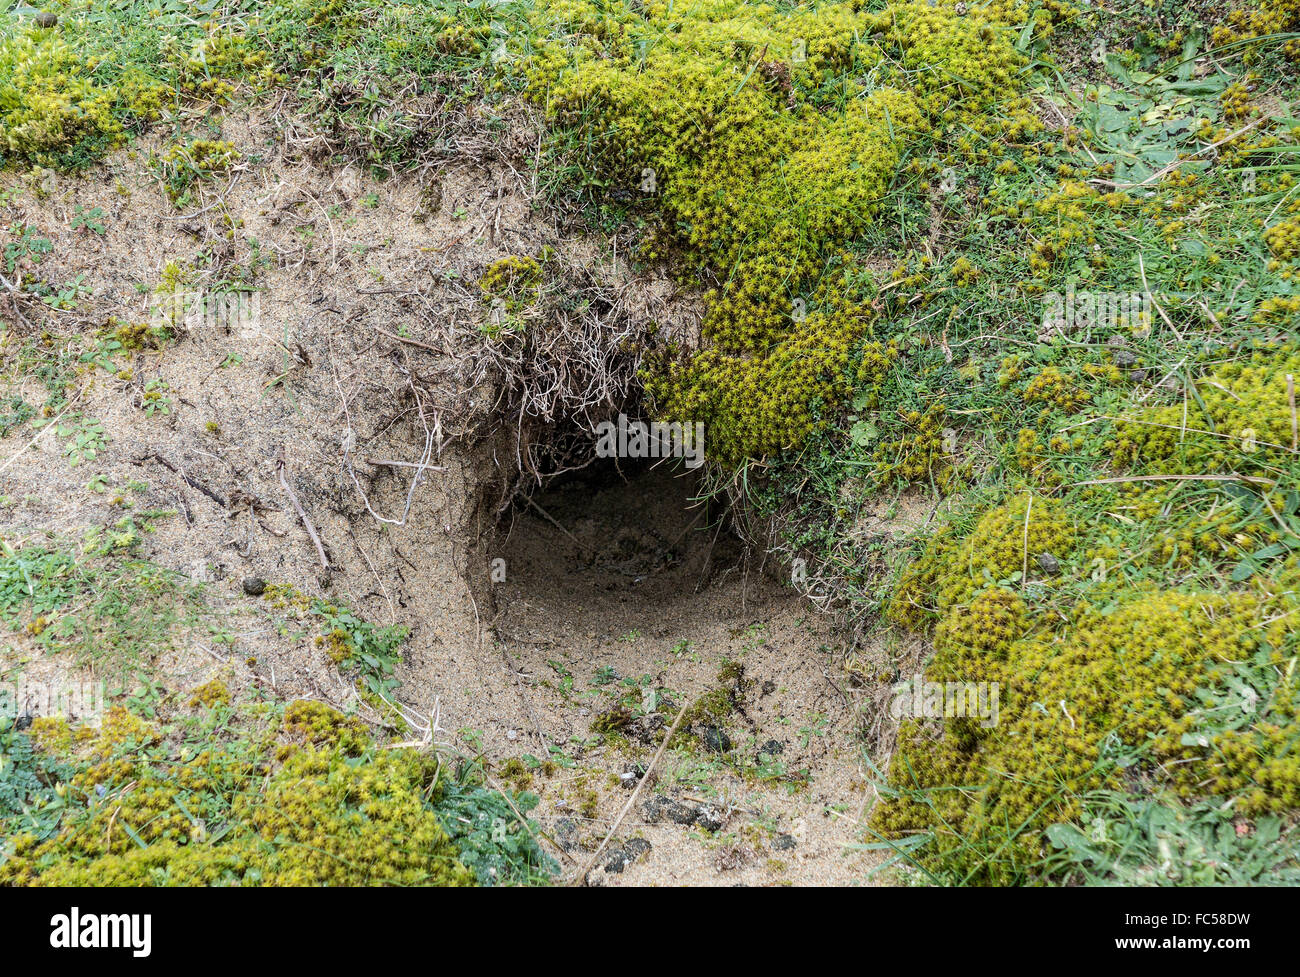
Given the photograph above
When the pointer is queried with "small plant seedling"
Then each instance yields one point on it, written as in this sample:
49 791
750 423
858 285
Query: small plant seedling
155 399
90 220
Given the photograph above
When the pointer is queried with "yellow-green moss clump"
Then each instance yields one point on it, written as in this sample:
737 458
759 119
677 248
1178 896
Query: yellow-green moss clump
1261 20
49 101
1005 543
1283 239
185 163
209 694
69 95
509 286
713 115
312 801
1053 388
511 277
921 454
1240 418
205 155
1072 694
1133 670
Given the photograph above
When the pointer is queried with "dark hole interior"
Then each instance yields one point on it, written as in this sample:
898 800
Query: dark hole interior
636 527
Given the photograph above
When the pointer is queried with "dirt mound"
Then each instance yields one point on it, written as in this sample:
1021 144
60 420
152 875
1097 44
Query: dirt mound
358 444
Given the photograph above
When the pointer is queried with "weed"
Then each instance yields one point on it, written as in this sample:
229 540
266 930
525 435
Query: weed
85 436
24 245
91 220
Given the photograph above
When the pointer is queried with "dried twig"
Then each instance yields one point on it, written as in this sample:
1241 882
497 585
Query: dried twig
528 705
385 463
193 483
1248 479
1295 425
581 877
39 434
14 296
392 611
408 340
431 443
547 516
1024 567
302 514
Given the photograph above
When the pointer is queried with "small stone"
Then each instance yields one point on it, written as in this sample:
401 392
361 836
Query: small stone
1048 563
616 861
710 818
681 813
654 810
621 858
566 833
511 735
783 842
716 739
1124 359
658 809
46 19
254 586
772 747
23 722
1139 375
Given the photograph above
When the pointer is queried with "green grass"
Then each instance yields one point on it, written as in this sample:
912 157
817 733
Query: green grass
377 79
29 778
97 601
968 403
1210 273
187 798
198 764
1140 839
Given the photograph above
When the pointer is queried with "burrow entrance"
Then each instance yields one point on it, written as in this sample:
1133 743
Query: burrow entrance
611 545
626 599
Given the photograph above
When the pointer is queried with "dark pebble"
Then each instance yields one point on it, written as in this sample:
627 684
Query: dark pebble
658 809
566 833
1048 563
783 842
46 19
709 818
772 747
254 586
681 813
716 739
621 858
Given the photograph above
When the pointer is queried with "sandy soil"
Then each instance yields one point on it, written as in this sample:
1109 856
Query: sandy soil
617 586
